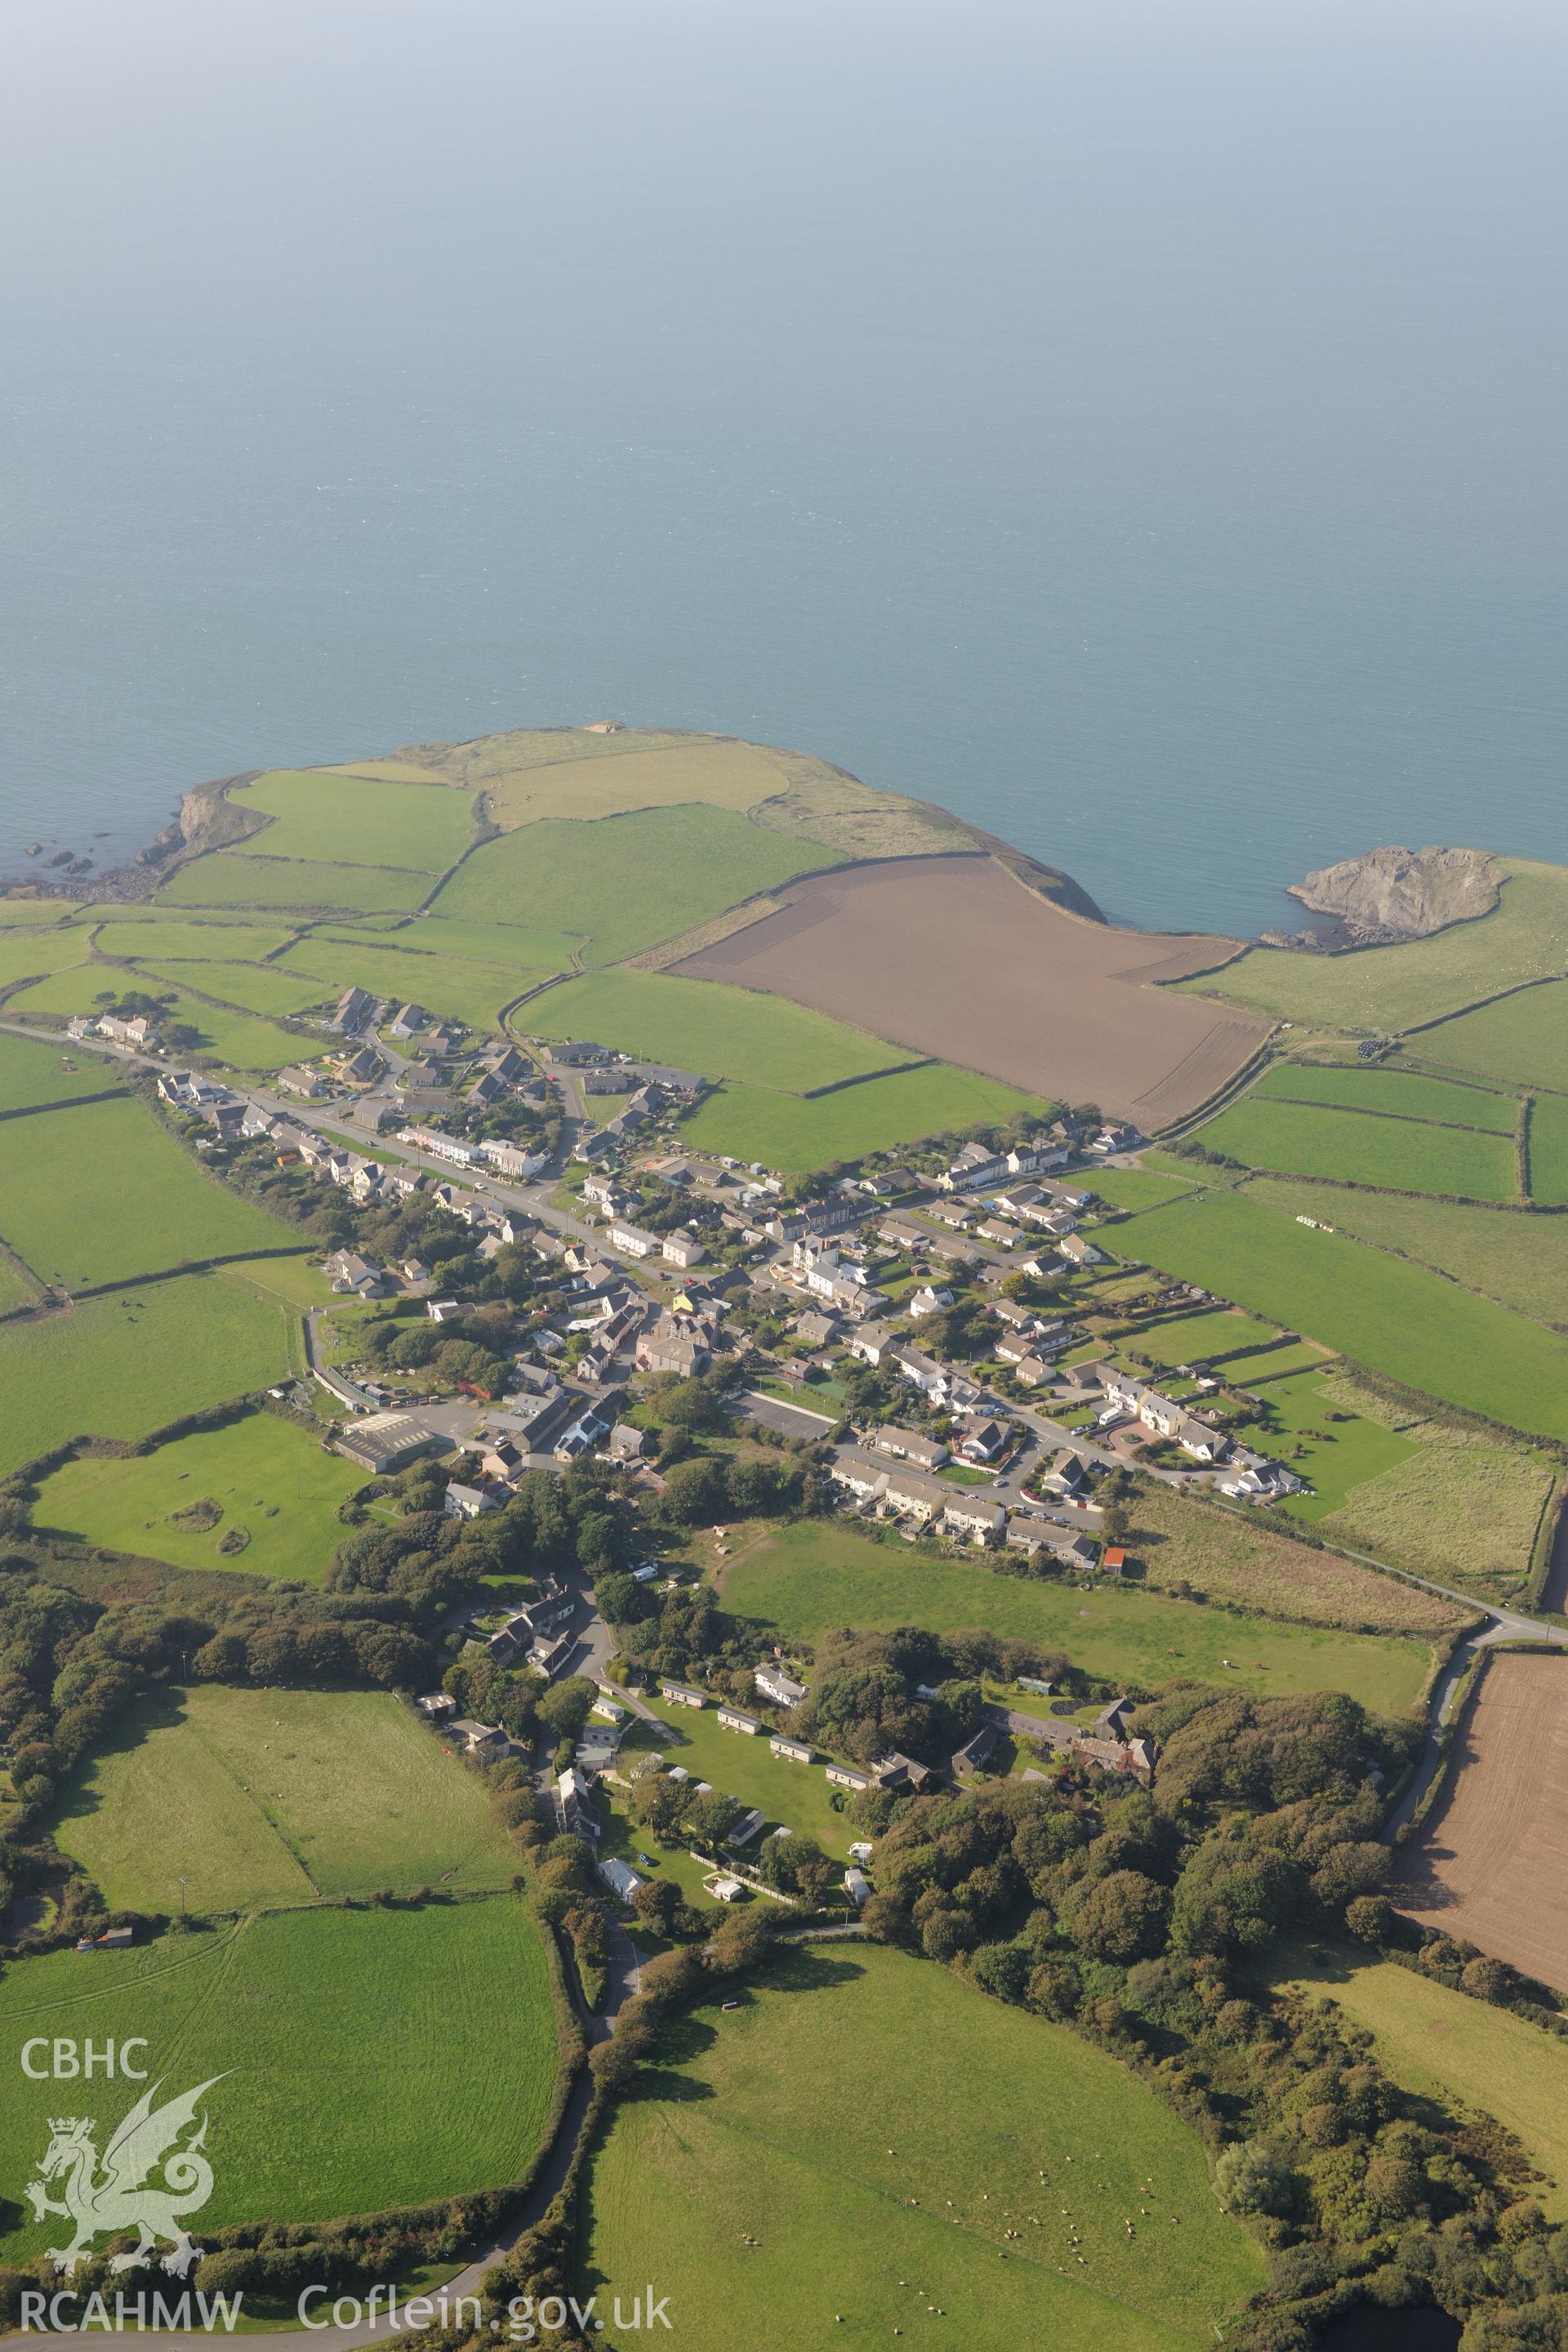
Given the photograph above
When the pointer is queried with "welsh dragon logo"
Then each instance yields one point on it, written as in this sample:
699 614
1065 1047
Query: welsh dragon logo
103 2196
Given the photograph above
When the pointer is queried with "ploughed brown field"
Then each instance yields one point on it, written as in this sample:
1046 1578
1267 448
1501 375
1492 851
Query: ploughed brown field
1492 1863
954 958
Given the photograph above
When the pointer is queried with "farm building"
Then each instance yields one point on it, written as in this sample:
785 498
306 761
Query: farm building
383 1442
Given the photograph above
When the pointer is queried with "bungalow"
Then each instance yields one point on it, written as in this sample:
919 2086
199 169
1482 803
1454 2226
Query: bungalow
888 1183
793 1751
478 1738
910 1444
1032 1371
1027 1536
620 1877
442 1310
982 1439
682 1695
1016 1198
575 1050
1079 1252
735 1719
776 1685
977 1752
1018 1316
1012 1348
1002 1236
903 1233
295 1079
954 1215
723 1889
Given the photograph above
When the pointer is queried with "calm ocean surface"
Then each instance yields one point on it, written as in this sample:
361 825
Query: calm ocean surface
1143 437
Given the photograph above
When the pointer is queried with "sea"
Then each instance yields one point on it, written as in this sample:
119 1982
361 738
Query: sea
1138 429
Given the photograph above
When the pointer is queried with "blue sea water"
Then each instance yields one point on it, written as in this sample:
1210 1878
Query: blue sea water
1138 429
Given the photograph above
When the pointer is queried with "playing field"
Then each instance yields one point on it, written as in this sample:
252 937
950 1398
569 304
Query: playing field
1399 1318
625 882
1398 1094
785 1133
1362 1148
1520 1261
1055 1005
331 819
1523 1036
99 1192
244 1798
1390 988
812 1578
129 1362
694 1024
369 2058
226 878
1445 2045
271 1480
780 2213
32 1076
1491 1864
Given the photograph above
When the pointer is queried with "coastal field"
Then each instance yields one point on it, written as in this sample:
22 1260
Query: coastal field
327 819
872 1115
455 987
650 772
1447 2045
242 1041
455 2099
1491 1864
241 1800
1364 1148
625 882
130 1361
807 1579
1520 1261
1523 1036
99 1192
147 932
862 2215
695 1026
226 878
1396 1093
1399 1318
273 990
33 1076
270 1479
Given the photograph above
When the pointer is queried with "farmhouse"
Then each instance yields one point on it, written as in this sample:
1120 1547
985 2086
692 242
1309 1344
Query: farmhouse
776 1685
384 1442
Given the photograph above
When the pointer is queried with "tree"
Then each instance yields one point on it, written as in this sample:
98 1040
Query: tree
1253 2178
566 1708
1121 1917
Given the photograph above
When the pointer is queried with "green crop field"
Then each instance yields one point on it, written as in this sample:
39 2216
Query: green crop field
779 2212
33 1075
224 879
433 2028
1390 988
328 820
471 992
785 1133
1523 1037
1549 1150
265 988
99 1191
625 882
1520 1261
127 1363
1399 1318
1444 2044
704 1024
745 1766
1313 1140
810 1579
245 1799
1399 1094
269 1478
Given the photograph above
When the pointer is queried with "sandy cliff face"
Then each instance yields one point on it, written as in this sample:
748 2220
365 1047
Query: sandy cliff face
1402 893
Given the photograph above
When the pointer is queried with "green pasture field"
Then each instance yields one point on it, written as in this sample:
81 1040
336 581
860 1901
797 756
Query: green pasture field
706 1025
264 988
1334 1456
459 990
648 775
1148 1188
1262 1366
133 1360
17 1289
205 938
519 747
780 2213
513 945
270 1477
25 953
1391 988
1222 1331
24 913
795 1794
226 878
1520 1261
1312 1140
293 1280
793 1136
1549 1150
435 2026
812 1578
1399 1318
1464 1506
332 819
1523 1037
626 882
97 1191
1444 2044
32 1076
241 1040
251 1798
1400 1094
